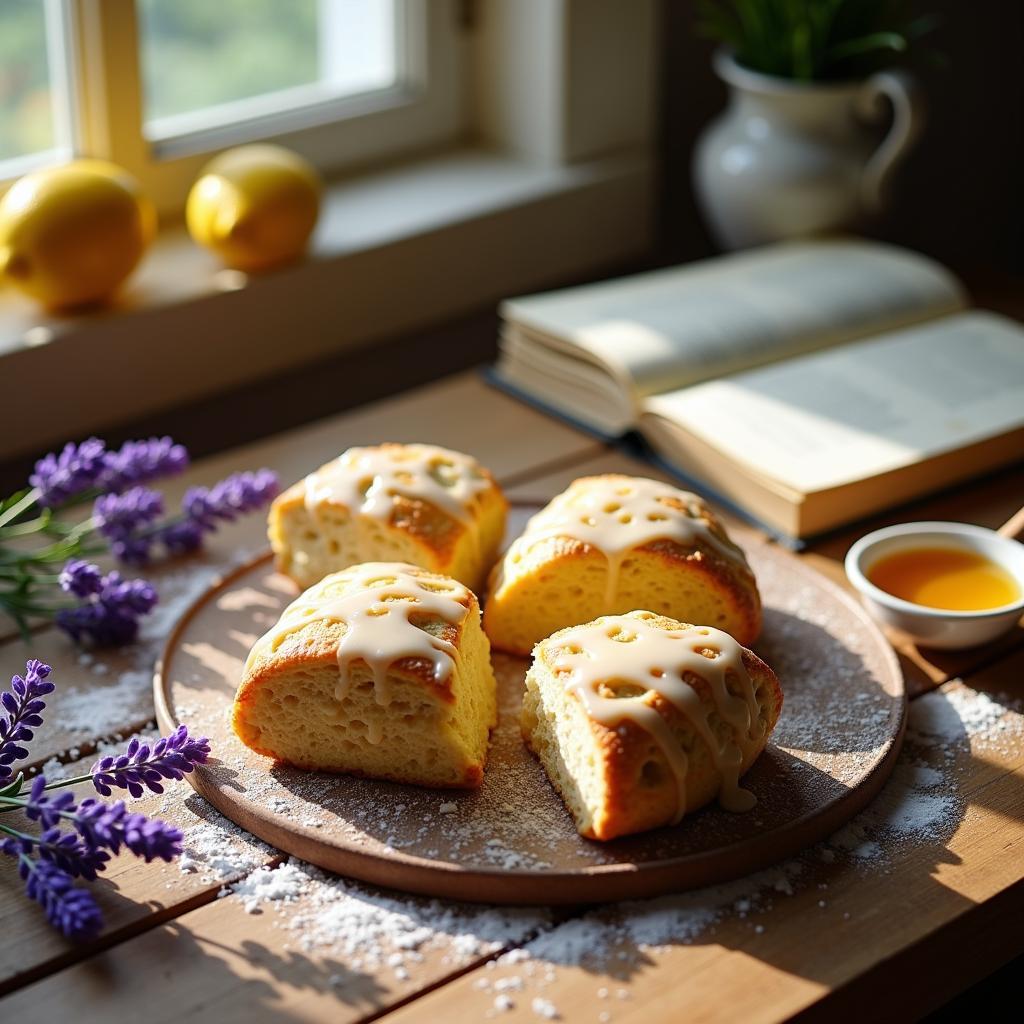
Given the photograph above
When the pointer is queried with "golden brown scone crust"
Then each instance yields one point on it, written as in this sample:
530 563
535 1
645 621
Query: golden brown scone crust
429 536
513 586
627 807
314 645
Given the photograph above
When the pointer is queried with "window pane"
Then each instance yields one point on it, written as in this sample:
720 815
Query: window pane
199 54
26 103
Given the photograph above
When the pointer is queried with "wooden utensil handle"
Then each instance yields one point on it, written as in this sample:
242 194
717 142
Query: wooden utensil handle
1014 526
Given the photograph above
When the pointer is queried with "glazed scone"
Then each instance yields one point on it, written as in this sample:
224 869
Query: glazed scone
638 719
381 670
612 543
413 503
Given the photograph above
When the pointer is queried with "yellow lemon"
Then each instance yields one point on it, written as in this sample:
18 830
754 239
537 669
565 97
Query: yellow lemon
255 206
70 235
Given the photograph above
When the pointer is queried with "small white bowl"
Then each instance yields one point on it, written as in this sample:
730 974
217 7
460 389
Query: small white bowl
937 627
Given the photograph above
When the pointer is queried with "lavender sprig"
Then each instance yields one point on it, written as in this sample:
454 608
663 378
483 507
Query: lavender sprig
66 849
110 607
59 477
121 517
47 810
204 508
49 862
128 519
71 910
111 826
89 466
141 767
140 462
24 705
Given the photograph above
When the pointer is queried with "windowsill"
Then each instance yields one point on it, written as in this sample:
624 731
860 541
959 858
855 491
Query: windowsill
393 251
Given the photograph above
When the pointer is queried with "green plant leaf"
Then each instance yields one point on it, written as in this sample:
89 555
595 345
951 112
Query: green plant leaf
813 40
867 44
13 788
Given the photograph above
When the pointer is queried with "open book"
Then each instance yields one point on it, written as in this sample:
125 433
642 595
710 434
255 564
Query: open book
808 383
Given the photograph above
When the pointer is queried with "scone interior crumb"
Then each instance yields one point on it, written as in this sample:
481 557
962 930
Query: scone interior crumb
409 725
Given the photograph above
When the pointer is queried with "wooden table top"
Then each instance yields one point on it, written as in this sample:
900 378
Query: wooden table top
913 902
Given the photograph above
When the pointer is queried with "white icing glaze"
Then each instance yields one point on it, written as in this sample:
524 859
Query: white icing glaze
616 515
597 658
367 480
376 603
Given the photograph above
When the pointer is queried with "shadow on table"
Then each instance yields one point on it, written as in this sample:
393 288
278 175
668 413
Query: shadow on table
178 971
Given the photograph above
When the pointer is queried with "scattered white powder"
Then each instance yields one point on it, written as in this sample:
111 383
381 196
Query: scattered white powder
284 883
504 1003
100 710
957 715
218 849
545 1008
327 915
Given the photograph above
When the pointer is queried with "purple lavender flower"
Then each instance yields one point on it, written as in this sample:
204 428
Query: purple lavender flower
24 707
46 809
81 578
183 537
119 517
87 466
140 767
72 854
203 508
75 469
110 616
66 849
68 908
226 501
111 826
138 462
116 514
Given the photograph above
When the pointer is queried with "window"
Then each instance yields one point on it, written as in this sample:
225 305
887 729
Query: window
159 85
35 126
205 65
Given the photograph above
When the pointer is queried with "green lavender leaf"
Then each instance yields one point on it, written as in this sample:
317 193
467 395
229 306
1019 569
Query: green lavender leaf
13 788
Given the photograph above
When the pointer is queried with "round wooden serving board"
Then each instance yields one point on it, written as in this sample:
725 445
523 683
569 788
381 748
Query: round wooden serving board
512 841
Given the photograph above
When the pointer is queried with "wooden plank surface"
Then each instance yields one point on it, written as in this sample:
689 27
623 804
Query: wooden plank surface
132 895
172 948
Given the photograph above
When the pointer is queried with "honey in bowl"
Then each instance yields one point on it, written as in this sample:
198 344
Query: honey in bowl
952 579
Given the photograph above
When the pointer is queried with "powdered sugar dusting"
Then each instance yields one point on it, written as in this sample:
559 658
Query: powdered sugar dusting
217 849
111 694
329 916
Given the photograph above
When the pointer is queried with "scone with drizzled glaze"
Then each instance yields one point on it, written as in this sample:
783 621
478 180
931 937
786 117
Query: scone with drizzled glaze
414 503
638 719
381 670
612 543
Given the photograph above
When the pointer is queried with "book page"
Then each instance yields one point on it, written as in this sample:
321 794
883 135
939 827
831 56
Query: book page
857 411
670 328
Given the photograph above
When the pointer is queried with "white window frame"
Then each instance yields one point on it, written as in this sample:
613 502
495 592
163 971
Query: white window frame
62 91
423 109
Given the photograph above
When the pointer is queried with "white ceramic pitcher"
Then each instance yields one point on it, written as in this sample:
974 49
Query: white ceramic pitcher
788 159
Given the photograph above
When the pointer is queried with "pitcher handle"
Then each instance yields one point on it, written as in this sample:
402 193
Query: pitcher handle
902 92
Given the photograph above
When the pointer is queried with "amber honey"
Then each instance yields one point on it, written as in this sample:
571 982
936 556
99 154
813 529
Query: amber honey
949 578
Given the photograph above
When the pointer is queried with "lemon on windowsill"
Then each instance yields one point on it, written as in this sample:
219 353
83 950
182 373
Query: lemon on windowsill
255 206
70 235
